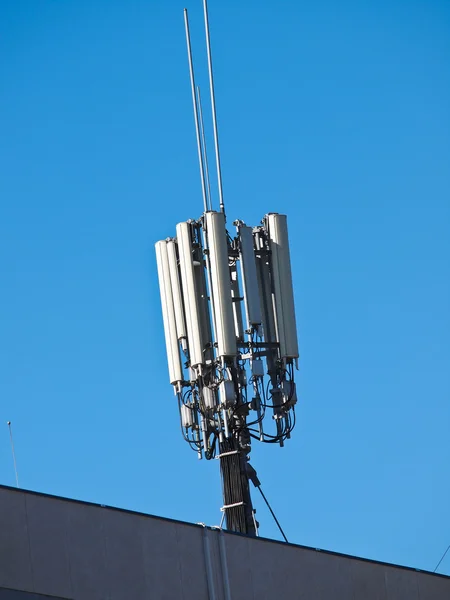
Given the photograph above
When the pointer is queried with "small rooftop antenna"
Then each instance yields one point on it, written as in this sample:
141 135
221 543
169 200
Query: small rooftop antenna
13 452
194 103
213 106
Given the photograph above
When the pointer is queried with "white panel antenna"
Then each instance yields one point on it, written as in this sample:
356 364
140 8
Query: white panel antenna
173 354
282 285
203 303
264 286
190 297
176 293
221 286
249 277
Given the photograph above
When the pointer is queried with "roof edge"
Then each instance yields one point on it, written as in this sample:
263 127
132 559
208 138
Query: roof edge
215 528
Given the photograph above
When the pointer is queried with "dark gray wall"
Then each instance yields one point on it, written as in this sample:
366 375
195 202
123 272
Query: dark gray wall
79 551
6 594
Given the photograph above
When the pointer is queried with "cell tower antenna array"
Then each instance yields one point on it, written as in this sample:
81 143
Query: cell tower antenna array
230 329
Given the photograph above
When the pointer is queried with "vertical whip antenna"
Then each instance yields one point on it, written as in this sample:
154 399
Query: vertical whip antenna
194 102
213 106
205 154
13 452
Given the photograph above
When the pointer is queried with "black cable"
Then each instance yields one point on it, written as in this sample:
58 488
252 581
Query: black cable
269 435
442 558
232 487
265 441
272 513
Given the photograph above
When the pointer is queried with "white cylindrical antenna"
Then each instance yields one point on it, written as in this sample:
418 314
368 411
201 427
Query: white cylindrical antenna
190 296
201 291
194 103
13 452
213 106
170 330
221 284
208 271
264 289
249 277
282 285
176 293
205 154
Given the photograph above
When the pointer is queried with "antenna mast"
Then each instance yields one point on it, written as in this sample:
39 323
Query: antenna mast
213 106
226 376
194 103
205 156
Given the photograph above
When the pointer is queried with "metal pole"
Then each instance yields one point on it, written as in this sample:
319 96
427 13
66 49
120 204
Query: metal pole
272 513
13 452
442 558
205 155
194 102
213 106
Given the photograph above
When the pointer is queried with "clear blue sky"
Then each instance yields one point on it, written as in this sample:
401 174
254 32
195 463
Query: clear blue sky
337 113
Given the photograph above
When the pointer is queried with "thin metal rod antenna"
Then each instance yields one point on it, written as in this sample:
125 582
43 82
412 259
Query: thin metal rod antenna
213 106
13 452
442 558
205 154
194 102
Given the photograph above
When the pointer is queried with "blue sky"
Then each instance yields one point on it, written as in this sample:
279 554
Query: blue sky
336 113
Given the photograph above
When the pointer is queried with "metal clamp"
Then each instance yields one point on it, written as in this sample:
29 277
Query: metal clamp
231 505
227 453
